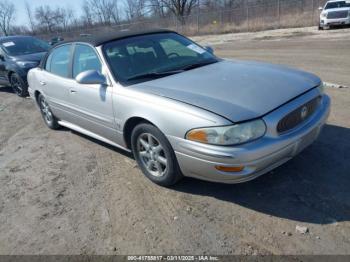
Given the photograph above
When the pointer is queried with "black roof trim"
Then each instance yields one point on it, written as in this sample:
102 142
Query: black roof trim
97 40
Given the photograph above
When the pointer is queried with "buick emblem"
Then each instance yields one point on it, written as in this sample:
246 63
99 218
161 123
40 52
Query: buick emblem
304 112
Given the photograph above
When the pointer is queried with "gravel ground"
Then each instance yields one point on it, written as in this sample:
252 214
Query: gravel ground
64 193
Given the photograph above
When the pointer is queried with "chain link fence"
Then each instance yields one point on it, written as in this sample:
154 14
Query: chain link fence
276 14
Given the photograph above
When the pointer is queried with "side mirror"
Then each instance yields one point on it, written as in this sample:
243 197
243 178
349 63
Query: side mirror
2 58
91 77
320 8
209 49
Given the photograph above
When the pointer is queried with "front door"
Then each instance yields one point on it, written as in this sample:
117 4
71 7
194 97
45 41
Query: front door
91 103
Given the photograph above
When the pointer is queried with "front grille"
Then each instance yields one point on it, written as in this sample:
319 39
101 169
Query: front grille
298 116
337 14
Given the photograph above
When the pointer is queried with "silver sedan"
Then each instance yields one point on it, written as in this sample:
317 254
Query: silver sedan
177 107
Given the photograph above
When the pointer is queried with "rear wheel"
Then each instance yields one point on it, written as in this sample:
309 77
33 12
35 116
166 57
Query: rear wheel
155 155
49 118
18 85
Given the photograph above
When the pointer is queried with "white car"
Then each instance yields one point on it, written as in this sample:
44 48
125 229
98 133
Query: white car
335 13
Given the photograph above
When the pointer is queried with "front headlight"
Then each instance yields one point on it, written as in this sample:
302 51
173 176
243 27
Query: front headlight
229 135
321 88
27 64
323 15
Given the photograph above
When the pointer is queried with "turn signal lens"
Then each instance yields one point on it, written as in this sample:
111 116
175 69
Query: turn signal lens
230 168
198 135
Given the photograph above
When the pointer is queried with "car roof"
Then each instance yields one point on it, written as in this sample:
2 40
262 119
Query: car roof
97 40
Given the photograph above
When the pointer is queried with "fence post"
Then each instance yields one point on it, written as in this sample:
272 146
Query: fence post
247 19
279 13
198 17
175 20
313 12
221 17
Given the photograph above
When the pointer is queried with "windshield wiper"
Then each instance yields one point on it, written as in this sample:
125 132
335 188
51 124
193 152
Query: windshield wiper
197 65
154 75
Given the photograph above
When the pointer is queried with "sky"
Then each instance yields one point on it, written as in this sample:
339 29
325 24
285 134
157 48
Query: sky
21 17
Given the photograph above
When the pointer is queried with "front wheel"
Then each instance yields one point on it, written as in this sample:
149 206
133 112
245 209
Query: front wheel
18 85
155 155
49 118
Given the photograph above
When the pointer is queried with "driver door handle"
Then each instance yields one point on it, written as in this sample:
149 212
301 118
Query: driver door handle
72 91
42 83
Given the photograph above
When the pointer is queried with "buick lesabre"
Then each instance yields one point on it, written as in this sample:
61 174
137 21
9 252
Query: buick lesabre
180 110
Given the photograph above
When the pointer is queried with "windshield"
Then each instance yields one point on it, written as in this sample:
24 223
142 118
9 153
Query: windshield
339 4
24 46
143 58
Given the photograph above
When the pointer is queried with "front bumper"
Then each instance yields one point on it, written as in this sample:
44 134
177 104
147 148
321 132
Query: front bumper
258 157
324 22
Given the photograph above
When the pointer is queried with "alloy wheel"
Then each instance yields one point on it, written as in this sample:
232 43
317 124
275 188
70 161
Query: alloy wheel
16 85
152 155
45 109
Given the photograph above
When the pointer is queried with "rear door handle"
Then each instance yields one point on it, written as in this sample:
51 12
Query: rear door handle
42 83
72 91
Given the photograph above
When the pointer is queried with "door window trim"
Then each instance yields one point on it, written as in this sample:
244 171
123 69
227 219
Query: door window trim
73 54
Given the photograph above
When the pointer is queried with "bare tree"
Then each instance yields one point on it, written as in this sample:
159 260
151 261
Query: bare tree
157 8
63 17
115 13
87 16
46 17
135 8
7 13
30 17
180 8
100 11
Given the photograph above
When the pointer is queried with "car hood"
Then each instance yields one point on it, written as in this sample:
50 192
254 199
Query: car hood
36 57
236 90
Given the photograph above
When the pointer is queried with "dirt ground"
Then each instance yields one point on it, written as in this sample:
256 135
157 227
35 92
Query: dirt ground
64 193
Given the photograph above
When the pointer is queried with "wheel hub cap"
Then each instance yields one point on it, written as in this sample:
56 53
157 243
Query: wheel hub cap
46 111
152 155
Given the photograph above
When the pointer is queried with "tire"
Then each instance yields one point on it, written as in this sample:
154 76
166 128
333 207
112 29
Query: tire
320 28
49 119
154 155
18 85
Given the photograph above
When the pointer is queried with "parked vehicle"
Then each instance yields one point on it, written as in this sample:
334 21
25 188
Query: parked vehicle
180 109
56 40
19 54
335 13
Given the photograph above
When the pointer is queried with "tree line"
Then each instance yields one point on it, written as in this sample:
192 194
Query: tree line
46 19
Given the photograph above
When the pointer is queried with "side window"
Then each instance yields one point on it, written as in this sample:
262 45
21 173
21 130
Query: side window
58 61
85 58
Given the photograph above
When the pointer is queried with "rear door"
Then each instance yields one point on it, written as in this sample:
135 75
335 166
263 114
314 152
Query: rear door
55 80
91 103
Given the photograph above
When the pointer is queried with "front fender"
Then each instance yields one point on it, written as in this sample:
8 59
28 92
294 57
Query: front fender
13 68
172 117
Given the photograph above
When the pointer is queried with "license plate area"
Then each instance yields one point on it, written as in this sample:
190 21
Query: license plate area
308 140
